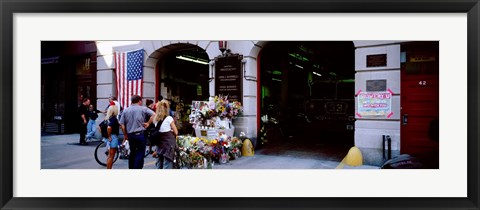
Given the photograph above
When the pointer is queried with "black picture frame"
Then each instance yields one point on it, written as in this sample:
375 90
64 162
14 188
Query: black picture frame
10 7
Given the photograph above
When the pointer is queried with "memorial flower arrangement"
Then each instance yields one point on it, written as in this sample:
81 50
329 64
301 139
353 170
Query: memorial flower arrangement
194 152
216 109
220 106
207 112
224 108
197 160
236 148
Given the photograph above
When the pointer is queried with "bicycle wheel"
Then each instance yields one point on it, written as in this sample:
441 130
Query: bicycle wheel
101 154
149 149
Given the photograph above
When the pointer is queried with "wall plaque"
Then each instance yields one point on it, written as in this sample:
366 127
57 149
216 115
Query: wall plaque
377 85
228 77
377 60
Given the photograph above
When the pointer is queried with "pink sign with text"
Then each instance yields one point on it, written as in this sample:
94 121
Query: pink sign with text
374 104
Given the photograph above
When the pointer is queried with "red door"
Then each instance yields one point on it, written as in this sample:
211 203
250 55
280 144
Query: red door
420 102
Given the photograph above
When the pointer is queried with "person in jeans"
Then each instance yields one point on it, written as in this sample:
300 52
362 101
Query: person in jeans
92 125
168 133
83 114
113 131
133 125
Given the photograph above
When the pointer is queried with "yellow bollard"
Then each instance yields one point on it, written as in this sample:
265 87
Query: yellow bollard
247 148
354 158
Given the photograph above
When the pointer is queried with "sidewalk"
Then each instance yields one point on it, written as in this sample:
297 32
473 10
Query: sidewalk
285 156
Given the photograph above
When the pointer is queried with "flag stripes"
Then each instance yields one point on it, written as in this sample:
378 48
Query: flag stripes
129 73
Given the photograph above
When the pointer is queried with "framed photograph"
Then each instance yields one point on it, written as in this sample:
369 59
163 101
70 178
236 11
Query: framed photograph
372 31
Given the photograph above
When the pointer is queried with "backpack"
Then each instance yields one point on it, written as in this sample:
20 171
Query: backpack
153 133
103 128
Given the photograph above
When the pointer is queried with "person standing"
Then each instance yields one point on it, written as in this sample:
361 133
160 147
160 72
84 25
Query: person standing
113 99
113 131
92 125
168 132
133 124
149 103
159 98
83 114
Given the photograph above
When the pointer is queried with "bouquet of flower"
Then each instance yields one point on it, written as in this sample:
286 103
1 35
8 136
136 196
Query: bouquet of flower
185 142
224 142
225 109
205 147
196 160
184 147
235 108
236 142
207 112
236 147
183 158
193 152
217 106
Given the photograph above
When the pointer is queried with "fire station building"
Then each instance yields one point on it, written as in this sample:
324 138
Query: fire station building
380 96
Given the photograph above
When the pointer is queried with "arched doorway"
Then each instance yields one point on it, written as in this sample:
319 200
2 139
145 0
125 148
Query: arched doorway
182 76
306 93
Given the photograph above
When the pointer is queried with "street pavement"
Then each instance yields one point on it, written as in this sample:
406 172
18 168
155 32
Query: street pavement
64 152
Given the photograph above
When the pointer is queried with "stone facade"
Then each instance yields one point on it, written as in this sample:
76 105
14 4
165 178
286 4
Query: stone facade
154 51
368 131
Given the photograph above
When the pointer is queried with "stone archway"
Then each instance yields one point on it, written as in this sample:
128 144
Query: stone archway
255 53
156 50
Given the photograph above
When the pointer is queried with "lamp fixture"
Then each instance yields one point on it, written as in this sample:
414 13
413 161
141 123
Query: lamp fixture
318 74
222 46
195 60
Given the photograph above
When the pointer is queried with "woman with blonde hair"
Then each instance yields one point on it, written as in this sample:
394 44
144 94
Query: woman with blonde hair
167 136
113 131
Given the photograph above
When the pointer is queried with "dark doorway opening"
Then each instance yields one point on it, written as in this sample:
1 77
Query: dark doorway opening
68 74
184 77
307 94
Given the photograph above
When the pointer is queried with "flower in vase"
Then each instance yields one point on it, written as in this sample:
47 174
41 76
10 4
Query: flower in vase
236 142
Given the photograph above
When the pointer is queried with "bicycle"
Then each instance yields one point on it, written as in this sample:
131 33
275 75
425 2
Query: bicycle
101 152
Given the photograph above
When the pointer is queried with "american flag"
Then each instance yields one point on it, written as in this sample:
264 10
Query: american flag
129 69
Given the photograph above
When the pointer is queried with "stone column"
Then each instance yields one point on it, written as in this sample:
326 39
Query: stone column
369 130
106 85
247 123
